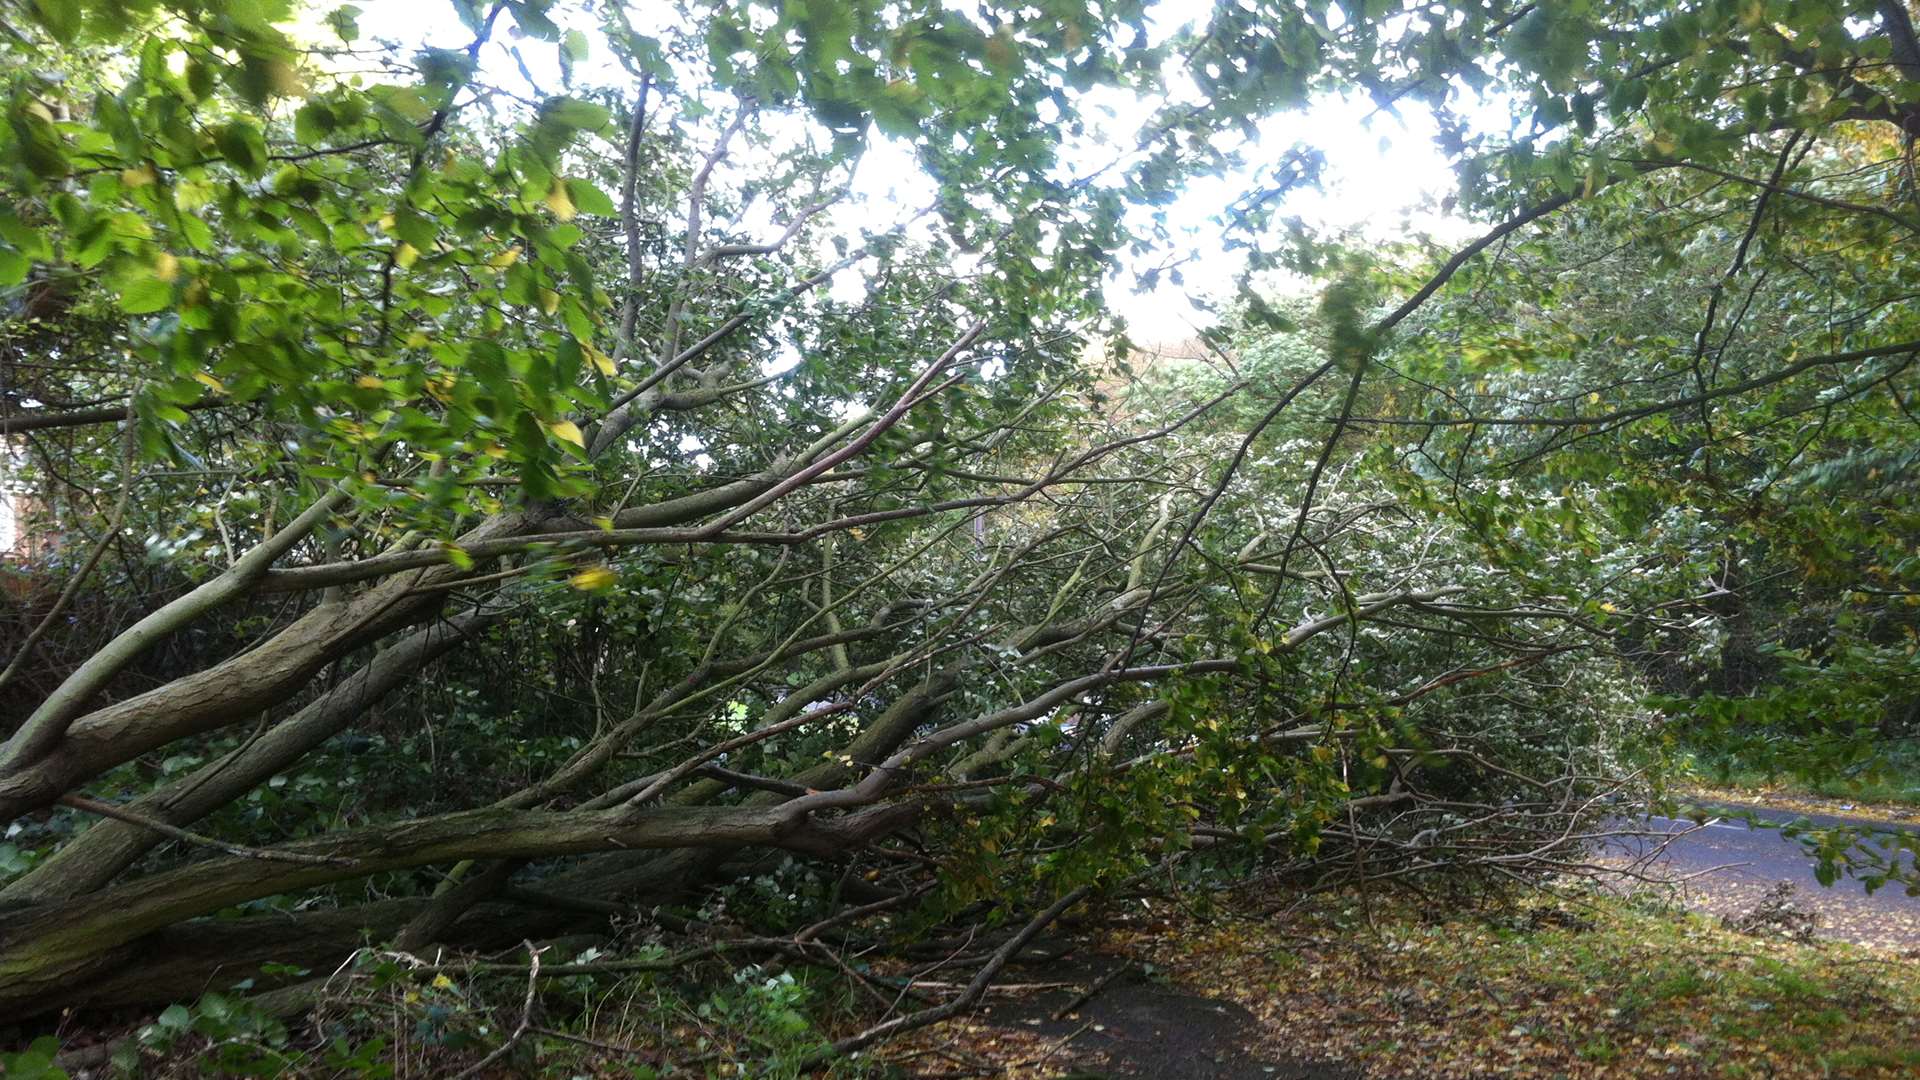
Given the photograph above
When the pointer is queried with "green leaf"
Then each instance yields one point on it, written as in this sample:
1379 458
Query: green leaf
197 233
532 19
175 1018
1583 113
416 229
145 296
62 18
36 1063
243 146
343 21
314 121
37 141
13 266
589 199
113 116
577 115
470 14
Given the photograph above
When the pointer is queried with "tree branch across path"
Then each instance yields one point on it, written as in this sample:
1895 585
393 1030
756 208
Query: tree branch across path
469 511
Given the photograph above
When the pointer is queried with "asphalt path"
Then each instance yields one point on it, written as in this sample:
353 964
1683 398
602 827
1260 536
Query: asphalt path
1725 863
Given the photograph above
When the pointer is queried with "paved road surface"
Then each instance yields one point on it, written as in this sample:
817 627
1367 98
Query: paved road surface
1737 862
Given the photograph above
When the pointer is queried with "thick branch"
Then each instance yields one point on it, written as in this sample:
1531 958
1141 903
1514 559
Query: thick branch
94 858
50 721
44 419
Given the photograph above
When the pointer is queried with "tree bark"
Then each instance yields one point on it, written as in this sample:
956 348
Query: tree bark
93 859
49 946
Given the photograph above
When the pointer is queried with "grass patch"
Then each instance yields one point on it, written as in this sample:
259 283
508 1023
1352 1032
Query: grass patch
1596 986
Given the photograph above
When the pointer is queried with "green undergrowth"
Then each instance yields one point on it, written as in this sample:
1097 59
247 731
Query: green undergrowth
1574 985
1892 779
1589 986
721 1000
604 1015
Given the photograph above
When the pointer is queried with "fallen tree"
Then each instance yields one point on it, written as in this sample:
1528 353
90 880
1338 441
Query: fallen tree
529 535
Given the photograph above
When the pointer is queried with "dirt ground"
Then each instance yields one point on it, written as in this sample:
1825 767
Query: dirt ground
1137 1028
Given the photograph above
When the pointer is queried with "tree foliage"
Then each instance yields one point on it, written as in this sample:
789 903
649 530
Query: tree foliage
482 511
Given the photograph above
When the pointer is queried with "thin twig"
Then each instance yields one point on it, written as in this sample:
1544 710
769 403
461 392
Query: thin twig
1091 992
965 1001
526 1017
861 912
616 1048
997 988
108 810
114 524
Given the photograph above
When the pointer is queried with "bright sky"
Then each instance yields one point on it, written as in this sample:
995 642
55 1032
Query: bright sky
1384 176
